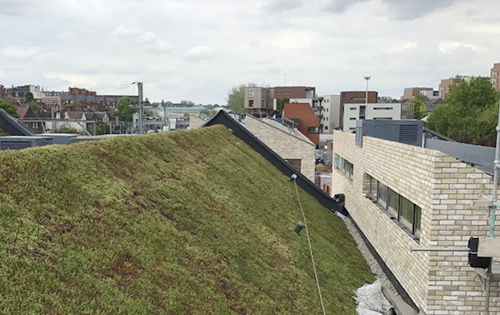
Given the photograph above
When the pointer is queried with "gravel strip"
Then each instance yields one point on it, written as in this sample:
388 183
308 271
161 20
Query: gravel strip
372 262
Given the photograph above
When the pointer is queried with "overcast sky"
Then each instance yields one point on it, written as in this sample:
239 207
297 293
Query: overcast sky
198 49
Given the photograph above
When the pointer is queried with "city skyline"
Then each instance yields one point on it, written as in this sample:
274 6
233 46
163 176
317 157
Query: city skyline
193 50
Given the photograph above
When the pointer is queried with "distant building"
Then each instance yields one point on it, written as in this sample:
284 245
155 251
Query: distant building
355 97
444 86
3 91
495 76
410 93
331 113
261 101
303 115
376 111
258 101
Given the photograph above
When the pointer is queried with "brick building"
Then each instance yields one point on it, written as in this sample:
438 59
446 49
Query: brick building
445 85
404 197
495 76
303 115
260 101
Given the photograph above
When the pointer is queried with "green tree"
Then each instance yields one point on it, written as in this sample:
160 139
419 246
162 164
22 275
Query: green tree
469 113
418 106
236 98
280 104
32 104
28 97
187 103
124 109
8 107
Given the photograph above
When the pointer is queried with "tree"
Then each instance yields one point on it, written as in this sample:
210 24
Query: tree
418 106
28 97
280 104
8 107
469 113
236 98
124 109
187 103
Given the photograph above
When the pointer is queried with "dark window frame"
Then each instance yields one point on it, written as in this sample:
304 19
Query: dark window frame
383 201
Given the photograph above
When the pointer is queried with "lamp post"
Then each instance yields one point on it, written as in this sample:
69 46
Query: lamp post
367 78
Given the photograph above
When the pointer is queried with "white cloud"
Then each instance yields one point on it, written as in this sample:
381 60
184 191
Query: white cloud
330 44
152 42
200 53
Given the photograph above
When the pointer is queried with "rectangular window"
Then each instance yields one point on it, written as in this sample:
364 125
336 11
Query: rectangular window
372 188
250 103
362 112
312 129
406 213
382 108
345 166
382 195
352 108
251 93
393 204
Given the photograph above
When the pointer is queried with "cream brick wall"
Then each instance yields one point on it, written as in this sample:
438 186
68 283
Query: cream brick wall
444 188
195 122
284 144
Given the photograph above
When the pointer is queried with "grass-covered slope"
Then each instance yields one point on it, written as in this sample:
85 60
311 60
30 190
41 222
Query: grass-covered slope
192 222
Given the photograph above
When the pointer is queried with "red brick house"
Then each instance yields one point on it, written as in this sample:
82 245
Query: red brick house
308 122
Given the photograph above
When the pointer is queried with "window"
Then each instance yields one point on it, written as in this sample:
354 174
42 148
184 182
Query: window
382 108
406 213
352 118
362 112
251 93
344 166
312 129
250 103
352 108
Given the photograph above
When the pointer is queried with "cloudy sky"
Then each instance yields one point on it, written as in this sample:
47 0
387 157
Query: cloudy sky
198 49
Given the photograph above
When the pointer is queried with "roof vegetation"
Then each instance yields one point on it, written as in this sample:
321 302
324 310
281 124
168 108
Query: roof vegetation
176 223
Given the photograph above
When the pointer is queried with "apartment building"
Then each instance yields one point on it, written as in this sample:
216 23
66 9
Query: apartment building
412 92
405 197
375 111
495 76
307 121
260 101
331 113
445 85
355 97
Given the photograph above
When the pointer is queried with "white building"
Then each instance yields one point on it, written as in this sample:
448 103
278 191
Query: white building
353 112
331 113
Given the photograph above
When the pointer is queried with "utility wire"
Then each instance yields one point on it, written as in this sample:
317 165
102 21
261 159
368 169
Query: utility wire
310 247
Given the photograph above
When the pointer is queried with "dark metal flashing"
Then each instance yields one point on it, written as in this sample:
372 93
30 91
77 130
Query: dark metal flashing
13 126
397 285
222 118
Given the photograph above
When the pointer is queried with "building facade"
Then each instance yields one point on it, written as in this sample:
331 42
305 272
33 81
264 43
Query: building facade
355 97
376 111
261 101
445 85
495 76
405 197
297 150
410 93
304 116
331 113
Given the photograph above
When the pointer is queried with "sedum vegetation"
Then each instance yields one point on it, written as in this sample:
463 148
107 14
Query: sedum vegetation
191 222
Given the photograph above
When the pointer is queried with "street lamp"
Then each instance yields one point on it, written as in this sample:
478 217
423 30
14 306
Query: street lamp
367 79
